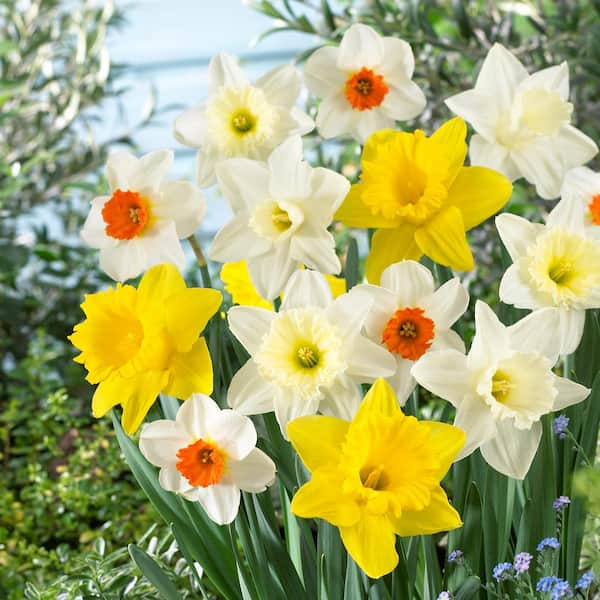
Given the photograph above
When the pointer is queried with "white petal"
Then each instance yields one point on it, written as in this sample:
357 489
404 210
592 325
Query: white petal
512 450
349 312
569 393
221 501
224 71
289 175
382 304
447 304
304 124
570 330
189 128
249 393
328 191
171 480
517 234
370 121
516 291
445 374
475 419
119 169
582 183
182 203
341 399
321 74
404 101
336 117
281 85
163 246
537 333
237 241
161 440
480 111
576 147
361 46
568 214
491 340
306 288
271 271
398 62
447 339
151 170
195 415
315 248
492 155
402 381
234 433
288 406
409 280
367 361
254 473
93 231
243 182
249 324
555 78
125 261
205 168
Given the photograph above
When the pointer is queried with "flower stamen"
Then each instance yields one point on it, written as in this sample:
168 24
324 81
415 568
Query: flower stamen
365 89
126 215
201 463
408 333
308 356
594 208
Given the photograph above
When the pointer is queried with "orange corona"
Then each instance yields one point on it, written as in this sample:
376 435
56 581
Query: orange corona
594 208
408 333
126 215
365 89
201 463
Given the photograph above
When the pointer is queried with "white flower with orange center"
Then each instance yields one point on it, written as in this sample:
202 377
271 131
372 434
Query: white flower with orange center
240 119
503 387
365 84
554 265
140 224
409 317
309 356
208 455
523 122
281 213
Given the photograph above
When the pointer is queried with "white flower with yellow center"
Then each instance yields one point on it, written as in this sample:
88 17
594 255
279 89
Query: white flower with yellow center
140 224
503 387
309 356
281 213
239 119
523 122
365 84
554 265
409 317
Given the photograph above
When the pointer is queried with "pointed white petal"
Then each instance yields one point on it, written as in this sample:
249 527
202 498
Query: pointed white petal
348 313
271 271
196 414
221 501
517 234
367 361
205 168
570 330
341 399
189 128
382 304
303 123
163 246
289 406
581 183
494 156
249 324
182 203
224 71
254 473
289 175
491 341
243 182
234 433
237 241
409 280
447 304
328 191
161 440
555 79
447 339
516 291
479 110
568 214
576 147
536 332
473 416
151 170
281 85
569 393
306 288
249 393
402 381
361 46
321 74
120 167
315 248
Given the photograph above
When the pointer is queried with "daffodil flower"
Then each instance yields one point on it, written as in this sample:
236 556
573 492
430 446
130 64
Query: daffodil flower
523 122
580 193
140 224
376 477
239 119
309 356
281 213
415 190
208 455
136 343
409 317
503 387
554 265
365 84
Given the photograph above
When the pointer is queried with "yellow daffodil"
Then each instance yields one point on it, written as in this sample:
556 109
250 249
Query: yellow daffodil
236 277
136 343
376 477
415 190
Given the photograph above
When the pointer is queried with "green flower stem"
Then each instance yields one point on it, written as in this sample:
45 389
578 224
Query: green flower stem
206 280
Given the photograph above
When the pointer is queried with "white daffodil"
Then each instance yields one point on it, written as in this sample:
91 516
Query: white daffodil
365 84
208 455
140 224
309 356
523 122
239 119
281 213
554 265
503 387
408 317
580 194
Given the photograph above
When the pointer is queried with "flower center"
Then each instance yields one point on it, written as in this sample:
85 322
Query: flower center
373 477
365 89
501 386
126 215
594 208
560 271
408 333
201 463
280 219
242 122
308 356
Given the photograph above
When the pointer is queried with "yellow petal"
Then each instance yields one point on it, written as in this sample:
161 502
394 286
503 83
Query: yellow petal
479 193
443 239
355 213
380 399
337 285
372 545
452 135
156 285
321 498
108 394
389 246
137 394
445 441
318 439
191 372
236 279
376 140
437 516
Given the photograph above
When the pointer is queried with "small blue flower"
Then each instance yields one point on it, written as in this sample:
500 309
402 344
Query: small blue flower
560 425
501 571
522 562
545 584
552 543
444 596
561 502
561 589
585 581
455 556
